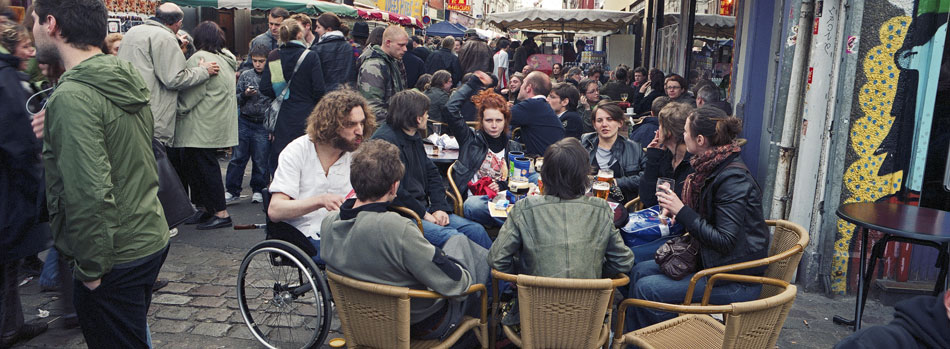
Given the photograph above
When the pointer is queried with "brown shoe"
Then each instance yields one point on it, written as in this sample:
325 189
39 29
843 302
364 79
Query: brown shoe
27 332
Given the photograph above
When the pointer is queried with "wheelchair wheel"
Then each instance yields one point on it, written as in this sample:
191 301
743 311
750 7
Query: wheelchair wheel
283 296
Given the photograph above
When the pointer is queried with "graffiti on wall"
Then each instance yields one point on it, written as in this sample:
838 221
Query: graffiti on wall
885 122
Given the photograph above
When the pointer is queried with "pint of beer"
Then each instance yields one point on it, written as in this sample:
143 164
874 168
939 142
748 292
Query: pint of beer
605 176
601 189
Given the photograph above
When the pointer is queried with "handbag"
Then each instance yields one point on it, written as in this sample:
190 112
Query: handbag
270 120
171 193
678 256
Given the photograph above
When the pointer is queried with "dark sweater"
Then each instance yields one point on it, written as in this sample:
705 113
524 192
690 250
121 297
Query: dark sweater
421 188
660 164
573 125
540 127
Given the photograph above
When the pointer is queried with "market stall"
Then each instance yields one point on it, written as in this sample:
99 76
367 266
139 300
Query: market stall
311 7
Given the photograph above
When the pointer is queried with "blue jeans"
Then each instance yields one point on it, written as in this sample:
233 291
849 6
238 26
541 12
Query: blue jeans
316 258
252 143
438 235
476 209
649 283
49 278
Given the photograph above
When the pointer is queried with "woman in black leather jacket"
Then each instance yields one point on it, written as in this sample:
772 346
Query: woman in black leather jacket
482 152
611 151
666 154
722 212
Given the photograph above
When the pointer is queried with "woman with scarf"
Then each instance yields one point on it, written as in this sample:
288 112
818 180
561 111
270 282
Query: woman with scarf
721 209
336 54
482 168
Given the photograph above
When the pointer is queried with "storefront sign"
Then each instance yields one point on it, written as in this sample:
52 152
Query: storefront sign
458 5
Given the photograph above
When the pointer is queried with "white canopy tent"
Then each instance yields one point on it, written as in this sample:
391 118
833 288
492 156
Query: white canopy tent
594 22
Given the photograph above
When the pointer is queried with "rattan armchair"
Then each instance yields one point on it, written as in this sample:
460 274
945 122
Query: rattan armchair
454 191
633 205
754 324
377 316
558 313
406 212
788 245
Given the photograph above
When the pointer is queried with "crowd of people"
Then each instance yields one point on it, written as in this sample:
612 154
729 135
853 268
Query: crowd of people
299 107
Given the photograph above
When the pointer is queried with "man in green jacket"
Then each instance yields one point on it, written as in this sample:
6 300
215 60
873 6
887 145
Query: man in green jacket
382 75
101 177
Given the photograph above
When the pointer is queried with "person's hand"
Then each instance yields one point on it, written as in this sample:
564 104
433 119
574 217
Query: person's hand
37 123
643 89
92 285
494 186
583 101
331 202
441 218
250 91
669 201
657 141
484 78
270 137
212 67
504 91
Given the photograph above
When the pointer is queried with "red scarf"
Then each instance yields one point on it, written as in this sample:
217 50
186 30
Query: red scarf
703 165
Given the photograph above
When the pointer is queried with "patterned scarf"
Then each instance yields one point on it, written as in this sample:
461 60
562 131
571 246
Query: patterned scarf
703 165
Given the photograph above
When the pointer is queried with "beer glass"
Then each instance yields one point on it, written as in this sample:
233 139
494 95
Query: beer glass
605 175
601 189
664 184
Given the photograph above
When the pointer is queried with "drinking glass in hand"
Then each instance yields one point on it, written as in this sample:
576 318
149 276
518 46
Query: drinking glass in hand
665 185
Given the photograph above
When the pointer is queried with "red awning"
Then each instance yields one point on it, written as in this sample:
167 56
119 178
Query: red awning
389 17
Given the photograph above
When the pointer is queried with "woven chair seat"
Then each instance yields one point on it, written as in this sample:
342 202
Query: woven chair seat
686 332
464 326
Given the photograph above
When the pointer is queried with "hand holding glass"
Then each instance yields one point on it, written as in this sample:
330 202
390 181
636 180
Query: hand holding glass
664 185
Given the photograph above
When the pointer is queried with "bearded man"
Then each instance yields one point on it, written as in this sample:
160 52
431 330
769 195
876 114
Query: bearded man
313 171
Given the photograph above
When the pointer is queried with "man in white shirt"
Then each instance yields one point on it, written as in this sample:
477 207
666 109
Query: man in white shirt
313 171
501 63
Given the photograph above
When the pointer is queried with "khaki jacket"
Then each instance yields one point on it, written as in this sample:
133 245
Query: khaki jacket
207 112
153 50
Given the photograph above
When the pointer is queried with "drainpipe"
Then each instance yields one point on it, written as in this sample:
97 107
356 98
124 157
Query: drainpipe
793 115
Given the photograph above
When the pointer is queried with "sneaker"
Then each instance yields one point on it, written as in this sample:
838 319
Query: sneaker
173 232
257 198
231 198
27 332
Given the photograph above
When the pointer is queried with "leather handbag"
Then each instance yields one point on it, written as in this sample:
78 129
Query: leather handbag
677 257
171 193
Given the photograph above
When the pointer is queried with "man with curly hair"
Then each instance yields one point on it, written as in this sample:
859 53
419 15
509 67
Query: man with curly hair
313 171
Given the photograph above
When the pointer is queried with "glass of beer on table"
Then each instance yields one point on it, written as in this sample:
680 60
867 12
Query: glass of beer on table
601 189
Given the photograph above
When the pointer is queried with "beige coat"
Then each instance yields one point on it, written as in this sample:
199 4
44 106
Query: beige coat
207 113
153 50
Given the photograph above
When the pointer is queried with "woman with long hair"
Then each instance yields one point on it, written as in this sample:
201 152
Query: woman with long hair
483 152
438 92
207 121
721 209
652 89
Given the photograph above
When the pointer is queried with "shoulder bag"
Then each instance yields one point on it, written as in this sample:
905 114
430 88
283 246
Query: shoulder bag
270 120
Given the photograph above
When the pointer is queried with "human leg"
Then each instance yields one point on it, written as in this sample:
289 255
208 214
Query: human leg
474 231
437 234
11 311
115 314
476 210
259 149
239 157
316 258
50 276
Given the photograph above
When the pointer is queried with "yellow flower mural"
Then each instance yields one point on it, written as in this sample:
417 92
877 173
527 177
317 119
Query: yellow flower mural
868 129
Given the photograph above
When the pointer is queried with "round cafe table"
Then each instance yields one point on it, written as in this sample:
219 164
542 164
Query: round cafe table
898 222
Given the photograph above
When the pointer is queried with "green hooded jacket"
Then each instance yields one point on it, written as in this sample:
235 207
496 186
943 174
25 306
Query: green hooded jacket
101 177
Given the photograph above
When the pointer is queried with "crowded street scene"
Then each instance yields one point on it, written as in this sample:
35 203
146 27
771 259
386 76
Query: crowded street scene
474 174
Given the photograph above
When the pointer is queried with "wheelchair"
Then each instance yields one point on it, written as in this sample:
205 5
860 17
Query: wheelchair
282 293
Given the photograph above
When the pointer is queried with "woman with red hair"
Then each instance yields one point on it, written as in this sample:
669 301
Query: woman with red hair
481 167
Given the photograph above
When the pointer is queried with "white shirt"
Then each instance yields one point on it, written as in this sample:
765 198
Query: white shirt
300 175
501 61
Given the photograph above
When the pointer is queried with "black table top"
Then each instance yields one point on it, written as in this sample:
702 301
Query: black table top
901 220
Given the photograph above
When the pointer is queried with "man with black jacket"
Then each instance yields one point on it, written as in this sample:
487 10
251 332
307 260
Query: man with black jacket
444 59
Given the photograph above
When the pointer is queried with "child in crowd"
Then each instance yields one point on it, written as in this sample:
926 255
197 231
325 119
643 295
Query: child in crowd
252 137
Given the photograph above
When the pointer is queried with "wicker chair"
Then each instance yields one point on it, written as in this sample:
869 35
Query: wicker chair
406 212
559 313
377 316
454 191
634 205
755 324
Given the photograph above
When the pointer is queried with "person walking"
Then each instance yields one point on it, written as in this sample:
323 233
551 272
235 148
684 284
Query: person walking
21 180
101 175
306 87
269 38
380 75
336 54
206 122
444 59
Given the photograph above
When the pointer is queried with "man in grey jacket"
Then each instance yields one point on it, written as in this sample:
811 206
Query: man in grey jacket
154 51
269 38
401 256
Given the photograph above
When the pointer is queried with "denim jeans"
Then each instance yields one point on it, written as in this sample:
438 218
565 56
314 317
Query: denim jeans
252 144
316 258
649 283
476 209
438 235
49 278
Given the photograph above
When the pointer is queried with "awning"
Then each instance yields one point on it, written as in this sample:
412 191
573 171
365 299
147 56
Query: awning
444 29
312 7
715 27
599 22
374 14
